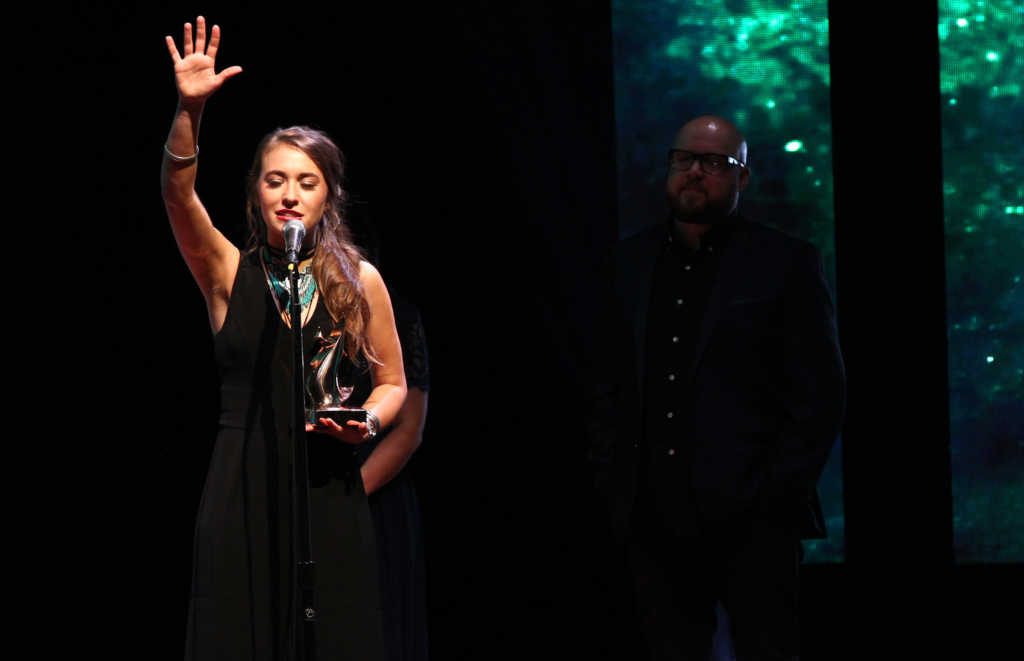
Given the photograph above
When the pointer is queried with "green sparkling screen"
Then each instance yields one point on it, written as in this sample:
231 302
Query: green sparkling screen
765 66
981 72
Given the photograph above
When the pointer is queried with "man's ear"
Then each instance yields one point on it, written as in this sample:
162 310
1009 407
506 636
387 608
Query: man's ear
744 178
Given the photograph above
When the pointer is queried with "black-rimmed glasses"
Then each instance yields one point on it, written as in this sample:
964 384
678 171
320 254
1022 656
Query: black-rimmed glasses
680 159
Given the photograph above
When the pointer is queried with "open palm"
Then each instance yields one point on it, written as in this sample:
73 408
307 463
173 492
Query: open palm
194 73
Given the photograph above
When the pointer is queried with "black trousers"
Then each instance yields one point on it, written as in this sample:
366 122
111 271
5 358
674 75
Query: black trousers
677 582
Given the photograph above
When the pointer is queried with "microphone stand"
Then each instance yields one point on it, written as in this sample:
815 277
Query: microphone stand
304 610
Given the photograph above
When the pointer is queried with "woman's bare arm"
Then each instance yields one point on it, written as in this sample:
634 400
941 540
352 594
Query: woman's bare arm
388 376
212 259
389 388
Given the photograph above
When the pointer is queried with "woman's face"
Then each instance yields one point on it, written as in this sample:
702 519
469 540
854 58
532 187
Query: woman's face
291 187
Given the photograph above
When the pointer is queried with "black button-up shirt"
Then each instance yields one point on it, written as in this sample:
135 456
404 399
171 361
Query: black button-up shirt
682 284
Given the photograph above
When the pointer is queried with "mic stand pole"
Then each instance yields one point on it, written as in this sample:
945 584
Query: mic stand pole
303 616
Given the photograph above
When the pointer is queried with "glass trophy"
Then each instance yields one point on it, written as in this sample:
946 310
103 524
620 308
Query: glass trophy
329 383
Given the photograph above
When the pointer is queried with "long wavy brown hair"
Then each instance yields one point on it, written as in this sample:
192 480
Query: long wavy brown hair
336 259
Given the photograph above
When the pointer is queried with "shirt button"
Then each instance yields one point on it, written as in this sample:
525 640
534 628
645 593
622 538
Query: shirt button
675 338
671 451
671 377
670 415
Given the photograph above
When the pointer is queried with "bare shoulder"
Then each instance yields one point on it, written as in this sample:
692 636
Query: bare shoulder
373 283
369 276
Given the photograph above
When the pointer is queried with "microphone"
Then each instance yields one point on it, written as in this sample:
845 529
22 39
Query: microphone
294 233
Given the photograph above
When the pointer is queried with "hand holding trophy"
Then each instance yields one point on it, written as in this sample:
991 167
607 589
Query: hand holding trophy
328 390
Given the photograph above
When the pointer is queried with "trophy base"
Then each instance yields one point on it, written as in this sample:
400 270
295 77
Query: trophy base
339 415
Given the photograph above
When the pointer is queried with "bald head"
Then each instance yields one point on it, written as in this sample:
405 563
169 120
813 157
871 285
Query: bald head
703 194
718 134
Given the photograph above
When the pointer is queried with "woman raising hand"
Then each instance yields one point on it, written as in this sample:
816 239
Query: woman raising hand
244 584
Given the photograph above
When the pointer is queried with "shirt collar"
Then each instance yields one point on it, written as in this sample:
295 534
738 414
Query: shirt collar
712 241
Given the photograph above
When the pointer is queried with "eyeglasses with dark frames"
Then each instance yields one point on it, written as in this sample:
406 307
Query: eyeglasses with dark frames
680 159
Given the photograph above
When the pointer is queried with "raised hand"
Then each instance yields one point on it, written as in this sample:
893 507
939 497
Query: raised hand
194 74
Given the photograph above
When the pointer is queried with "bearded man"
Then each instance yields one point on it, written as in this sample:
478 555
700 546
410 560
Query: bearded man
729 399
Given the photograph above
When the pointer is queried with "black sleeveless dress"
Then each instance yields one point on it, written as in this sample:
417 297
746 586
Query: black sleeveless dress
243 568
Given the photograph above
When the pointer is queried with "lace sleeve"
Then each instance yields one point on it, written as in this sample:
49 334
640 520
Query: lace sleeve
414 344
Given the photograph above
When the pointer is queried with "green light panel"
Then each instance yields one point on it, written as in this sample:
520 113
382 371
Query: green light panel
980 75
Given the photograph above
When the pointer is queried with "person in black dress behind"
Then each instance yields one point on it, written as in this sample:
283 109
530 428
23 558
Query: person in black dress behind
243 585
389 477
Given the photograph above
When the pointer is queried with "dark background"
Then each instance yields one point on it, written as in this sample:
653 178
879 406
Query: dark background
480 138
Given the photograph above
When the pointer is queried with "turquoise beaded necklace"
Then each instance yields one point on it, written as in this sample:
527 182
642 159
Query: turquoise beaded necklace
276 271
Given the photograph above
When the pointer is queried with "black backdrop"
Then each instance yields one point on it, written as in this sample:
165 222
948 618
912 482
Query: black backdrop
480 142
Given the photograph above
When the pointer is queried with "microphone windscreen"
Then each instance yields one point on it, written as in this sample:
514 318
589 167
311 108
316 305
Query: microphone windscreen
294 233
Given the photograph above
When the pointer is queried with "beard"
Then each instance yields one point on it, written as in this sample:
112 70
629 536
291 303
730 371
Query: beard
693 205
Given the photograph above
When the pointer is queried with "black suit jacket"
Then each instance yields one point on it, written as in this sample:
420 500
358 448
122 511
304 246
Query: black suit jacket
768 380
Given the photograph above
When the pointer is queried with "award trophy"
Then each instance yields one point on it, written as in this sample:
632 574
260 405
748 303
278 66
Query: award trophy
327 388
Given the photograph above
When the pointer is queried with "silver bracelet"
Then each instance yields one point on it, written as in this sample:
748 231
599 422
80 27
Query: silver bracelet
181 159
372 425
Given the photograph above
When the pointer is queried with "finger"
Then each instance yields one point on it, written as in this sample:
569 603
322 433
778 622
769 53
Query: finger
200 35
310 427
211 50
172 49
229 73
188 39
330 424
